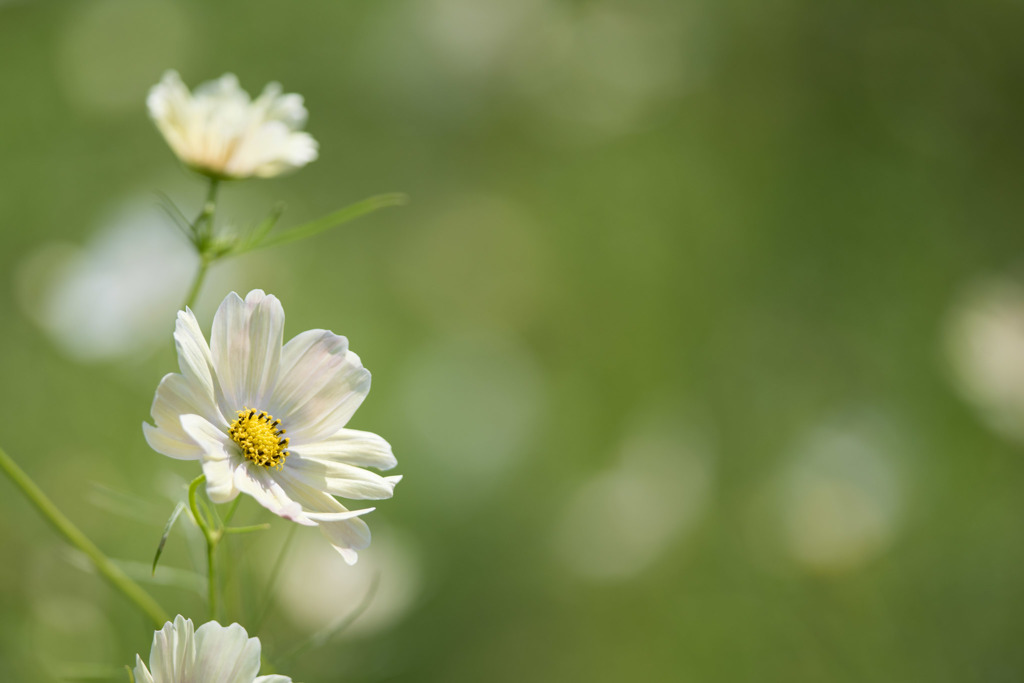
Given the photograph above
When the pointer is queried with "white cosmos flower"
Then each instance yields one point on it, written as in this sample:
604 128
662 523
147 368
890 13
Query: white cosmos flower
268 420
220 131
210 654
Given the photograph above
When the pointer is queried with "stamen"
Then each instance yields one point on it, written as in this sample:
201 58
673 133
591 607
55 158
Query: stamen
257 434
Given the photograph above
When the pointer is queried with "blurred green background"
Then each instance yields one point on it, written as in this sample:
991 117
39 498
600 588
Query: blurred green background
701 344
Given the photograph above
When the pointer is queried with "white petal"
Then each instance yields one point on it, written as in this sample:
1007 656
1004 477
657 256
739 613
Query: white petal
273 678
169 103
246 347
162 442
225 92
141 673
340 479
308 362
322 384
175 396
338 516
259 483
226 654
220 480
350 446
347 536
174 652
195 360
219 457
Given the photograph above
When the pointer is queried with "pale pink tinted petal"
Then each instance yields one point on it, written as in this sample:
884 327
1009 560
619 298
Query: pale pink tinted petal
309 362
327 402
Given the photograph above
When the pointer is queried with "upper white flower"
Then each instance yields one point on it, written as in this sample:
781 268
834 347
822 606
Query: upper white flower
210 654
220 131
268 420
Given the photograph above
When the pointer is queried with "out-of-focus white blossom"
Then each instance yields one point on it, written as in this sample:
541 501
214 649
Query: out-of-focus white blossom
220 131
985 345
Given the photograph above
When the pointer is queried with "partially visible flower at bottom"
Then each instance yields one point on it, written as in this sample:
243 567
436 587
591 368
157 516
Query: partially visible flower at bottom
210 654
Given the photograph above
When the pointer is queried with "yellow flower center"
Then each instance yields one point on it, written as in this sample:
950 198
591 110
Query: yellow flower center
257 433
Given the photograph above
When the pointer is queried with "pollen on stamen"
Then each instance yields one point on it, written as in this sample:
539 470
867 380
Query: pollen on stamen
258 434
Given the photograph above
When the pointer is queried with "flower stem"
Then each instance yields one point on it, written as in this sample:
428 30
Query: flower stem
197 283
202 238
106 567
211 565
212 536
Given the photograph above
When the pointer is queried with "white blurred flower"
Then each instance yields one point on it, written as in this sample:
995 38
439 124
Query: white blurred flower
210 654
985 346
842 498
621 520
221 411
219 131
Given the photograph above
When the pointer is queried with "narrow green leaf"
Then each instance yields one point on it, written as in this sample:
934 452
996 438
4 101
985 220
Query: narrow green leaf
124 504
167 532
131 676
175 214
261 230
331 220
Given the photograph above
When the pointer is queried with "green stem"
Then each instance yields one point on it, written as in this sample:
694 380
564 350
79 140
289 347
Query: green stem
211 565
202 238
231 510
212 535
110 571
203 227
197 283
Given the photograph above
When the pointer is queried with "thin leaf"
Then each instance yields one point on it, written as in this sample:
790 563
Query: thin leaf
167 532
261 230
331 220
175 214
124 504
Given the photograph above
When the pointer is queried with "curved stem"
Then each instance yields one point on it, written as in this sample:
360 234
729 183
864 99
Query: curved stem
106 567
